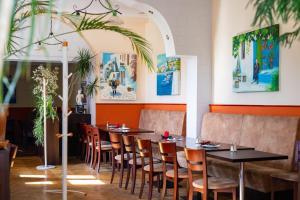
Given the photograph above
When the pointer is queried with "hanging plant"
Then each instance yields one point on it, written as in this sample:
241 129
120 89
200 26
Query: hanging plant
51 77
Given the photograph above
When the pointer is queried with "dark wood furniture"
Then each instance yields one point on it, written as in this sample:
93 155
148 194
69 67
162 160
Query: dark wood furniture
53 156
4 174
74 121
145 148
104 128
133 164
243 156
292 177
100 148
168 153
196 160
118 156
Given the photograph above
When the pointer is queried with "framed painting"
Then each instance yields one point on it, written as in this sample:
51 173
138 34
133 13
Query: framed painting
168 75
256 56
118 76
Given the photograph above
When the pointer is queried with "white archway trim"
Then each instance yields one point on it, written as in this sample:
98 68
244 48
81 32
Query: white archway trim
159 20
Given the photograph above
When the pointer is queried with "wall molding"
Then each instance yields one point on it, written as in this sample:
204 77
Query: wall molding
280 110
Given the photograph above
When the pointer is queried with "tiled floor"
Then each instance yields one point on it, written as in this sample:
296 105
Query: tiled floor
27 183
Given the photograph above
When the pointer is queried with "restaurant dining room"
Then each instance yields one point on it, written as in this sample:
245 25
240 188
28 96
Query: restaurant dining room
137 99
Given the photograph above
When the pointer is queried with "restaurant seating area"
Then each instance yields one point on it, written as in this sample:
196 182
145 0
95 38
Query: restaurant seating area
135 99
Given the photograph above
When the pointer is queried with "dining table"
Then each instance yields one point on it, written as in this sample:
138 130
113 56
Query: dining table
242 156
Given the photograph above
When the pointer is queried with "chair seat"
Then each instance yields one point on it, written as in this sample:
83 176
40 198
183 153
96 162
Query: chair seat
118 157
139 161
105 147
182 173
216 183
157 167
288 176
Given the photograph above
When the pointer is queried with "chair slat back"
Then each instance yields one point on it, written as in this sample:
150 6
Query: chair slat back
96 136
196 162
129 143
168 152
87 130
145 148
115 139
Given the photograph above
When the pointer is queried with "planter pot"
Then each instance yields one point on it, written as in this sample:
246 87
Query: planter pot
3 119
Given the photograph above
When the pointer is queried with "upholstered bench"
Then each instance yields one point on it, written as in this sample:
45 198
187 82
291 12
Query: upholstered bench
160 121
272 134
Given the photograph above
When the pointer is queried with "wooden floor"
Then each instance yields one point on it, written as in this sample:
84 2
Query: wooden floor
29 183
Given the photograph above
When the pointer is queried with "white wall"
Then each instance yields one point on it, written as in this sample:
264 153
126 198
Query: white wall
230 19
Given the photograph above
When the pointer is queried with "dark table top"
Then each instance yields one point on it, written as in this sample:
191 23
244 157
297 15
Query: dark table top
245 156
184 142
124 131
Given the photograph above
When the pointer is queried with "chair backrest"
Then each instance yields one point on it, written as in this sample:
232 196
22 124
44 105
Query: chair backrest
87 130
129 143
145 149
96 136
168 152
196 162
116 140
169 155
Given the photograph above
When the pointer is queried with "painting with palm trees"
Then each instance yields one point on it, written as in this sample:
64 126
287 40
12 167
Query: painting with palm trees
256 55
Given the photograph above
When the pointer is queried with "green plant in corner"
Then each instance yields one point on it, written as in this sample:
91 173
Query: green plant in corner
51 77
269 12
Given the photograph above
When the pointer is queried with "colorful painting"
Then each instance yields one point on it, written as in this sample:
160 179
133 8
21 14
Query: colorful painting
256 57
168 75
118 76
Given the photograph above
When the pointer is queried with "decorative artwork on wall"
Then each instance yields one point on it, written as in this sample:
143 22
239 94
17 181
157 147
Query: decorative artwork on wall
118 76
256 55
168 75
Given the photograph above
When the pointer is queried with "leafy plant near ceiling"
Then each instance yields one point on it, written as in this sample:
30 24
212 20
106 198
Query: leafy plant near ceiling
28 10
269 12
51 77
265 34
84 67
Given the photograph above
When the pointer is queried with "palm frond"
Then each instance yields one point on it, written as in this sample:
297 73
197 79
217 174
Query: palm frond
84 63
91 88
285 11
140 45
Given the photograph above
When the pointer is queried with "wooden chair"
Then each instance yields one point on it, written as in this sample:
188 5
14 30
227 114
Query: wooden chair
82 141
88 141
196 161
169 155
292 177
151 168
100 148
118 156
130 148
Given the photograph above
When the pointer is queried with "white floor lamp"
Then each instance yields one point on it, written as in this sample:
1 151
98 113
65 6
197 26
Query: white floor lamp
45 166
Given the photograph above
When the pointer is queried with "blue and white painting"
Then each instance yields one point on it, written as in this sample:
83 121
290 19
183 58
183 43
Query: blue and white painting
118 76
168 75
256 57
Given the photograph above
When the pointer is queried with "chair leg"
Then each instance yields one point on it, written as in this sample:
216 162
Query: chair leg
163 192
128 176
113 168
150 186
295 190
204 195
133 179
96 155
92 158
234 194
215 195
158 183
175 192
187 189
87 153
121 175
104 157
142 184
272 189
99 160
191 193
